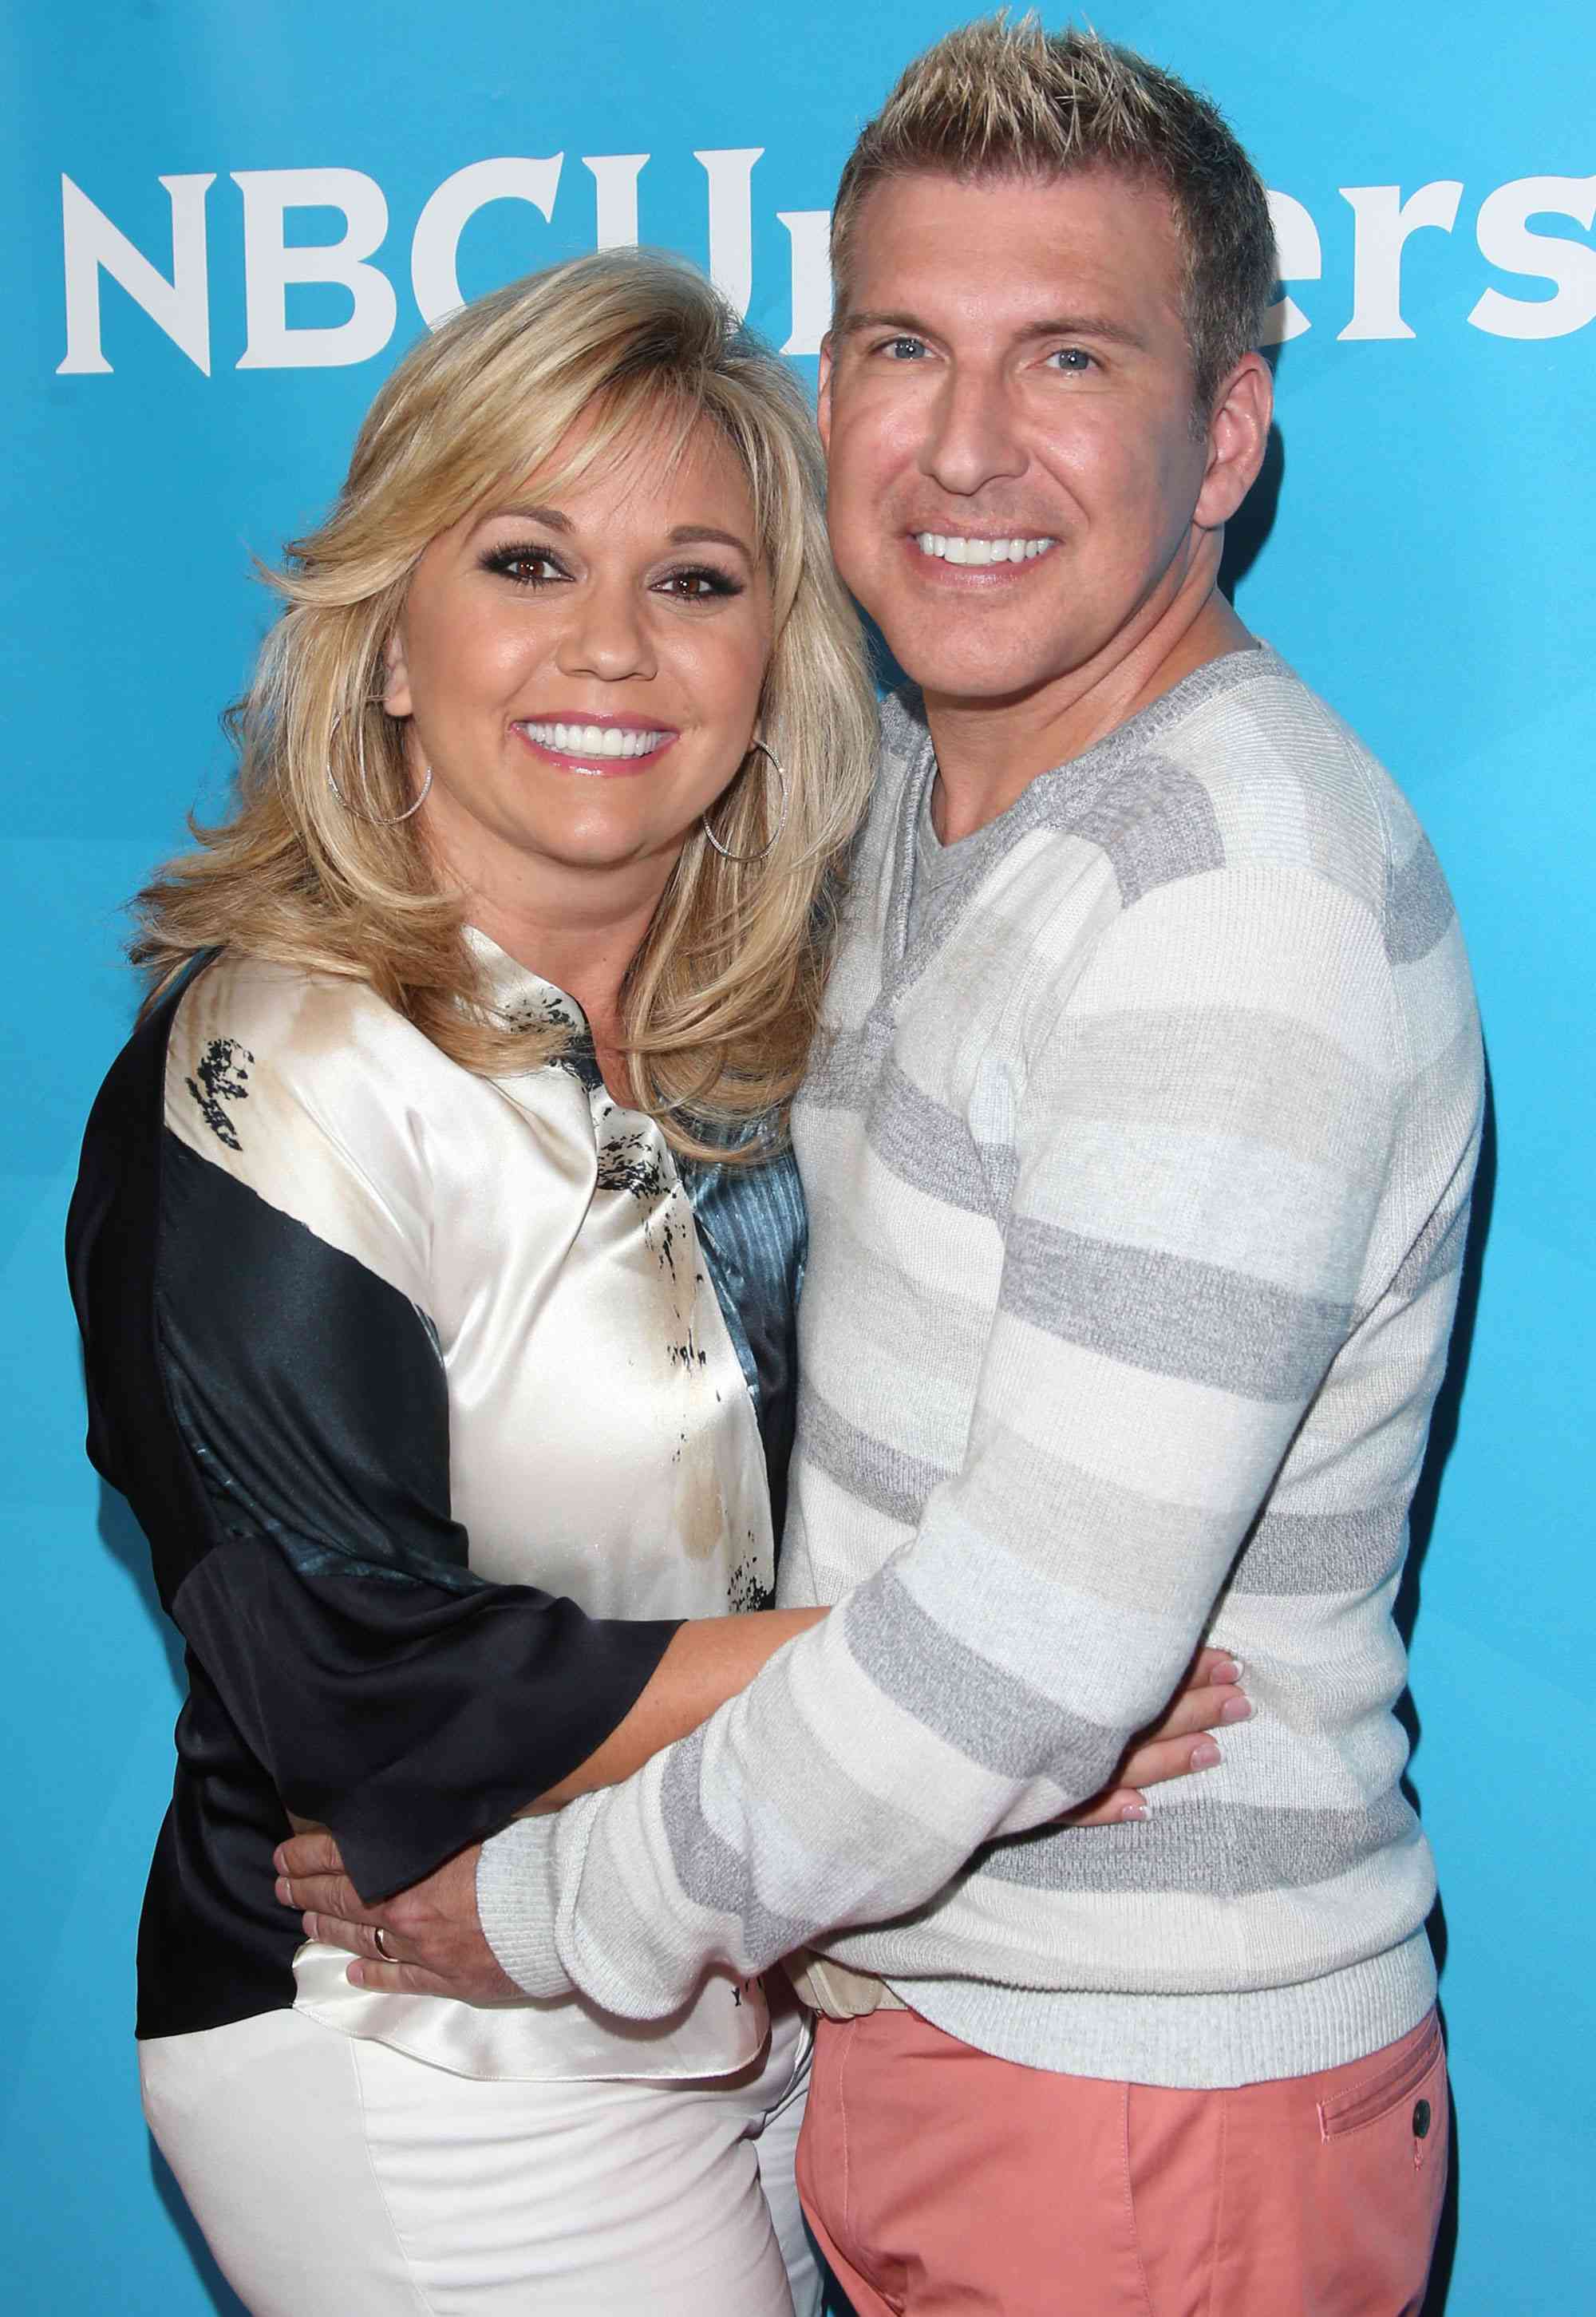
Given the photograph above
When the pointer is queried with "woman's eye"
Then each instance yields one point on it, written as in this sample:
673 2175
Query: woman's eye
529 566
699 585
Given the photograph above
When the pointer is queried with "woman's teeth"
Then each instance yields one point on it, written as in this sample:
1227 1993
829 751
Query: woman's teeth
594 739
982 551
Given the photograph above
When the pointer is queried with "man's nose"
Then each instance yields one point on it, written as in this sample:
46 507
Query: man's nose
606 632
974 439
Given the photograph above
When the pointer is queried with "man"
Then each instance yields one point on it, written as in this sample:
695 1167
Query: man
1139 1166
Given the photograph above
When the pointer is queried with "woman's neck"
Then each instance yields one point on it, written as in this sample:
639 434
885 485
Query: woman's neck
587 960
576 925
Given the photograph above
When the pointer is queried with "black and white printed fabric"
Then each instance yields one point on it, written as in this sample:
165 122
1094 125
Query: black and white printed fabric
422 1388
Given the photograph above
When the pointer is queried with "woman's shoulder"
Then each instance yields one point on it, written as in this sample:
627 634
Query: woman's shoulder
299 1011
325 1041
323 1098
309 1089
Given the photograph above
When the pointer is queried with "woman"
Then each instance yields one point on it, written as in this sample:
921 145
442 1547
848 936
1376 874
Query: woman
435 1251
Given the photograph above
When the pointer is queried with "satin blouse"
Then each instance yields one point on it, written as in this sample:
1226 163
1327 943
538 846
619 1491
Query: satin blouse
440 1407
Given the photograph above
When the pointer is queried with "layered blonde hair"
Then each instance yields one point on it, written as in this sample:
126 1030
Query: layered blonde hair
1000 97
312 868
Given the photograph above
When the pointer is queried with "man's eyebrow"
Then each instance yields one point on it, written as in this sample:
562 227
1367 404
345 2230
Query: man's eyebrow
1083 326
867 320
1101 327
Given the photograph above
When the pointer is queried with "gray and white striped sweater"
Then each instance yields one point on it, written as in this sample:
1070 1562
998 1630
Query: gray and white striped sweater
1138 1163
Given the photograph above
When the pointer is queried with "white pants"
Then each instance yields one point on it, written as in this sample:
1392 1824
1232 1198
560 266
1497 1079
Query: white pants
334 2177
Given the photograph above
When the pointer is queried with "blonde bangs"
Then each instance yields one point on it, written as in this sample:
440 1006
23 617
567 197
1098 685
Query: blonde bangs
619 356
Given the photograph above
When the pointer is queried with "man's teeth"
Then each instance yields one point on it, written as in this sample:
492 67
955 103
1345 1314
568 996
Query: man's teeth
982 551
594 739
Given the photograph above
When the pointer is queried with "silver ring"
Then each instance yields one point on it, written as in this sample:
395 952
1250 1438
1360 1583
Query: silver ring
379 1935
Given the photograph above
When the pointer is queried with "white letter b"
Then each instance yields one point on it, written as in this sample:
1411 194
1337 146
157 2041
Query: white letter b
270 265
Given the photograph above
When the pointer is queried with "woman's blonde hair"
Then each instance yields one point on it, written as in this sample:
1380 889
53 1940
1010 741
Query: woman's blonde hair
720 1001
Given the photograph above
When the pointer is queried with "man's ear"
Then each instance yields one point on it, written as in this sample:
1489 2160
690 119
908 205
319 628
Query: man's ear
823 404
1238 437
396 676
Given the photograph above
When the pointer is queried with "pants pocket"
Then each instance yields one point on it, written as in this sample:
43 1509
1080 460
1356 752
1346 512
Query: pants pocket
1402 2081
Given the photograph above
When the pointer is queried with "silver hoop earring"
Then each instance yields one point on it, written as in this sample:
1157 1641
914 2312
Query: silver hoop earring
375 819
726 855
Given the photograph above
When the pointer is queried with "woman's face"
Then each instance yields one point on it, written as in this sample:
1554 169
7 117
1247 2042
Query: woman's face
582 670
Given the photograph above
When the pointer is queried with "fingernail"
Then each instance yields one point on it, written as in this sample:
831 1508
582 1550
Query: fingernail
284 1894
356 1974
1235 1709
1231 1670
1204 1754
1134 1810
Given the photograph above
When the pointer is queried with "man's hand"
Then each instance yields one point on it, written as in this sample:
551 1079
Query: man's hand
430 1935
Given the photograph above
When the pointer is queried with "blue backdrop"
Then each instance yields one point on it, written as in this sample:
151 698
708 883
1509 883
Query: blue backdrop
224 224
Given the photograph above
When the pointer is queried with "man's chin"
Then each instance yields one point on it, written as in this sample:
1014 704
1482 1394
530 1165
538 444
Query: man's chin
967 677
964 654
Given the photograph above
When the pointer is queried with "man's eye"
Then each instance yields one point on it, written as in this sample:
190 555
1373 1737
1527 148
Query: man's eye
904 349
1072 360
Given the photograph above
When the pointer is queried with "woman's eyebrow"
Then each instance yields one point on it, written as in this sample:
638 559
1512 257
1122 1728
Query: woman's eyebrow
683 534
549 517
690 535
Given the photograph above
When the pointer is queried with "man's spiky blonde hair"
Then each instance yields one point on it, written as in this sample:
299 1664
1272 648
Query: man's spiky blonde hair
1003 99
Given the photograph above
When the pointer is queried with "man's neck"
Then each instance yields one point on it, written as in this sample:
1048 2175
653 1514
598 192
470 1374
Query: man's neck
988 752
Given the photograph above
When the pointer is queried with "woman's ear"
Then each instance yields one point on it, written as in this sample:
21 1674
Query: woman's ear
395 679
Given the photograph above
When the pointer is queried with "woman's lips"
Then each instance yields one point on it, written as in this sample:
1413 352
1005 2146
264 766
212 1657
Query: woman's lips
601 749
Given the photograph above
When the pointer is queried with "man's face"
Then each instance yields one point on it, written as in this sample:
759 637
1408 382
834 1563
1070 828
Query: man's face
1008 417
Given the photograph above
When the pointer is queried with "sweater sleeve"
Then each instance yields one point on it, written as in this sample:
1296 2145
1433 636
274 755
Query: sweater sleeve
275 1407
1205 1132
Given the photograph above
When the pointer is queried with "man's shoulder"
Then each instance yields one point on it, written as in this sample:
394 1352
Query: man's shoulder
1288 786
1264 775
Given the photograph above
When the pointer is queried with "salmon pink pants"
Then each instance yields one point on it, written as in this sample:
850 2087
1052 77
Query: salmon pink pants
939 2180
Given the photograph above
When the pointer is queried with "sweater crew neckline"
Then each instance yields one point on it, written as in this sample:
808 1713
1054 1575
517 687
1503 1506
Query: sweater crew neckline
933 881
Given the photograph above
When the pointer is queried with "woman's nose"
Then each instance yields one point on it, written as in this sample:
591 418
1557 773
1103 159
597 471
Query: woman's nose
606 633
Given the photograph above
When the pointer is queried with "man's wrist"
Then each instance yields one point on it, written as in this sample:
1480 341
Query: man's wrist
517 1905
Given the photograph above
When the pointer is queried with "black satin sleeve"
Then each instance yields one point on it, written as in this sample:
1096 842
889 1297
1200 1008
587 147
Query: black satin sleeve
277 1417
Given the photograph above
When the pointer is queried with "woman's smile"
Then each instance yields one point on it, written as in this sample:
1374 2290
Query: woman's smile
596 745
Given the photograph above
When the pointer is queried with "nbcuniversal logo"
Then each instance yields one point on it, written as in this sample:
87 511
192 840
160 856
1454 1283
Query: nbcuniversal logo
1521 229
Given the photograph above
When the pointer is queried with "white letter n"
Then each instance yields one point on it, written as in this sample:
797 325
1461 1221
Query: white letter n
92 245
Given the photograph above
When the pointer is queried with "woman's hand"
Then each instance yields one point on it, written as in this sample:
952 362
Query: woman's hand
1175 1744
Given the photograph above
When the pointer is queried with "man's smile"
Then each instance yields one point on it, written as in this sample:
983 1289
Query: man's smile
957 548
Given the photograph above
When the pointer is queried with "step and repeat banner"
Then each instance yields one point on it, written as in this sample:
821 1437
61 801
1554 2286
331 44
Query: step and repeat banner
225 224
